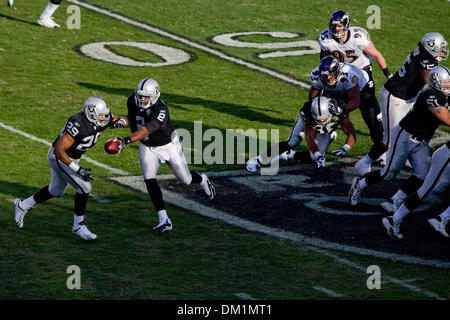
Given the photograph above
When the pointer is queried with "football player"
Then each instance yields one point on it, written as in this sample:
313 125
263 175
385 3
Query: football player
150 124
435 183
79 134
317 122
46 17
399 93
348 83
350 45
410 139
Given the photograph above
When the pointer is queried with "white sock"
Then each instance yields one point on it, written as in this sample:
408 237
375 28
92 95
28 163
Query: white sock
362 184
77 220
367 159
399 195
401 213
49 10
445 214
28 203
162 214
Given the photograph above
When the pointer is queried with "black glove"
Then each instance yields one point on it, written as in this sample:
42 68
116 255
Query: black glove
123 142
340 153
84 172
335 109
386 73
121 123
320 162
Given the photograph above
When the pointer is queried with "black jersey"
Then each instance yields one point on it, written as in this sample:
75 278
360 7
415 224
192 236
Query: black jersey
84 132
156 119
407 81
305 114
420 122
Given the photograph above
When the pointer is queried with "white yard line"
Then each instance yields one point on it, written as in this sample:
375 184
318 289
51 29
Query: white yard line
329 292
192 44
396 281
244 296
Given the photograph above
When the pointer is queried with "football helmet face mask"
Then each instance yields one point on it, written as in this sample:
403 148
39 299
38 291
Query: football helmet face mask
440 79
96 111
339 23
320 110
147 93
329 71
436 45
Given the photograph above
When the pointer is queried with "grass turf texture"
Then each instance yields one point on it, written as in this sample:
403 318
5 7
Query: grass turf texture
44 80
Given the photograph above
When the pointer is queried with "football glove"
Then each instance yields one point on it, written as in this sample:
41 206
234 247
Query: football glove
336 110
121 123
342 151
320 162
123 142
84 173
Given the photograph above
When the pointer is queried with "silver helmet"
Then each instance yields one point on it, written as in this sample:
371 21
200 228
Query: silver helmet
147 93
96 111
440 79
320 109
436 45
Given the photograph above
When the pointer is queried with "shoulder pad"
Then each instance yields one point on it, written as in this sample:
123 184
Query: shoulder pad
324 35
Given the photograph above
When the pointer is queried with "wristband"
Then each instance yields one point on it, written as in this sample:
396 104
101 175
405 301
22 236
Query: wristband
126 140
74 166
386 73
346 147
317 154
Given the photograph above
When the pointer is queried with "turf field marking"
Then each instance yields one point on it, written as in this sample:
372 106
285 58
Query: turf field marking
329 292
191 44
34 138
244 296
176 199
399 282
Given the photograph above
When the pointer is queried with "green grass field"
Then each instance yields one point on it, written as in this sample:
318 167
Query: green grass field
44 80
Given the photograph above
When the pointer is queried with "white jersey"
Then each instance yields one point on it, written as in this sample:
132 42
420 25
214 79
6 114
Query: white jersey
349 77
352 51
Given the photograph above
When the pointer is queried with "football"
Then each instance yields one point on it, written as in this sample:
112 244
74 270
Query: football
112 146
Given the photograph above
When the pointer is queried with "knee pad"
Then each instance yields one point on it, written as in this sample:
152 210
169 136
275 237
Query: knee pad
412 201
391 175
411 184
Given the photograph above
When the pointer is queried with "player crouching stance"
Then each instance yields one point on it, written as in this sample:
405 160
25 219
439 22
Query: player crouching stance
317 122
150 124
80 133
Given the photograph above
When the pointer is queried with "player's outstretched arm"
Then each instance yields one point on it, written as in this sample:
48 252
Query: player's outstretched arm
379 58
119 122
